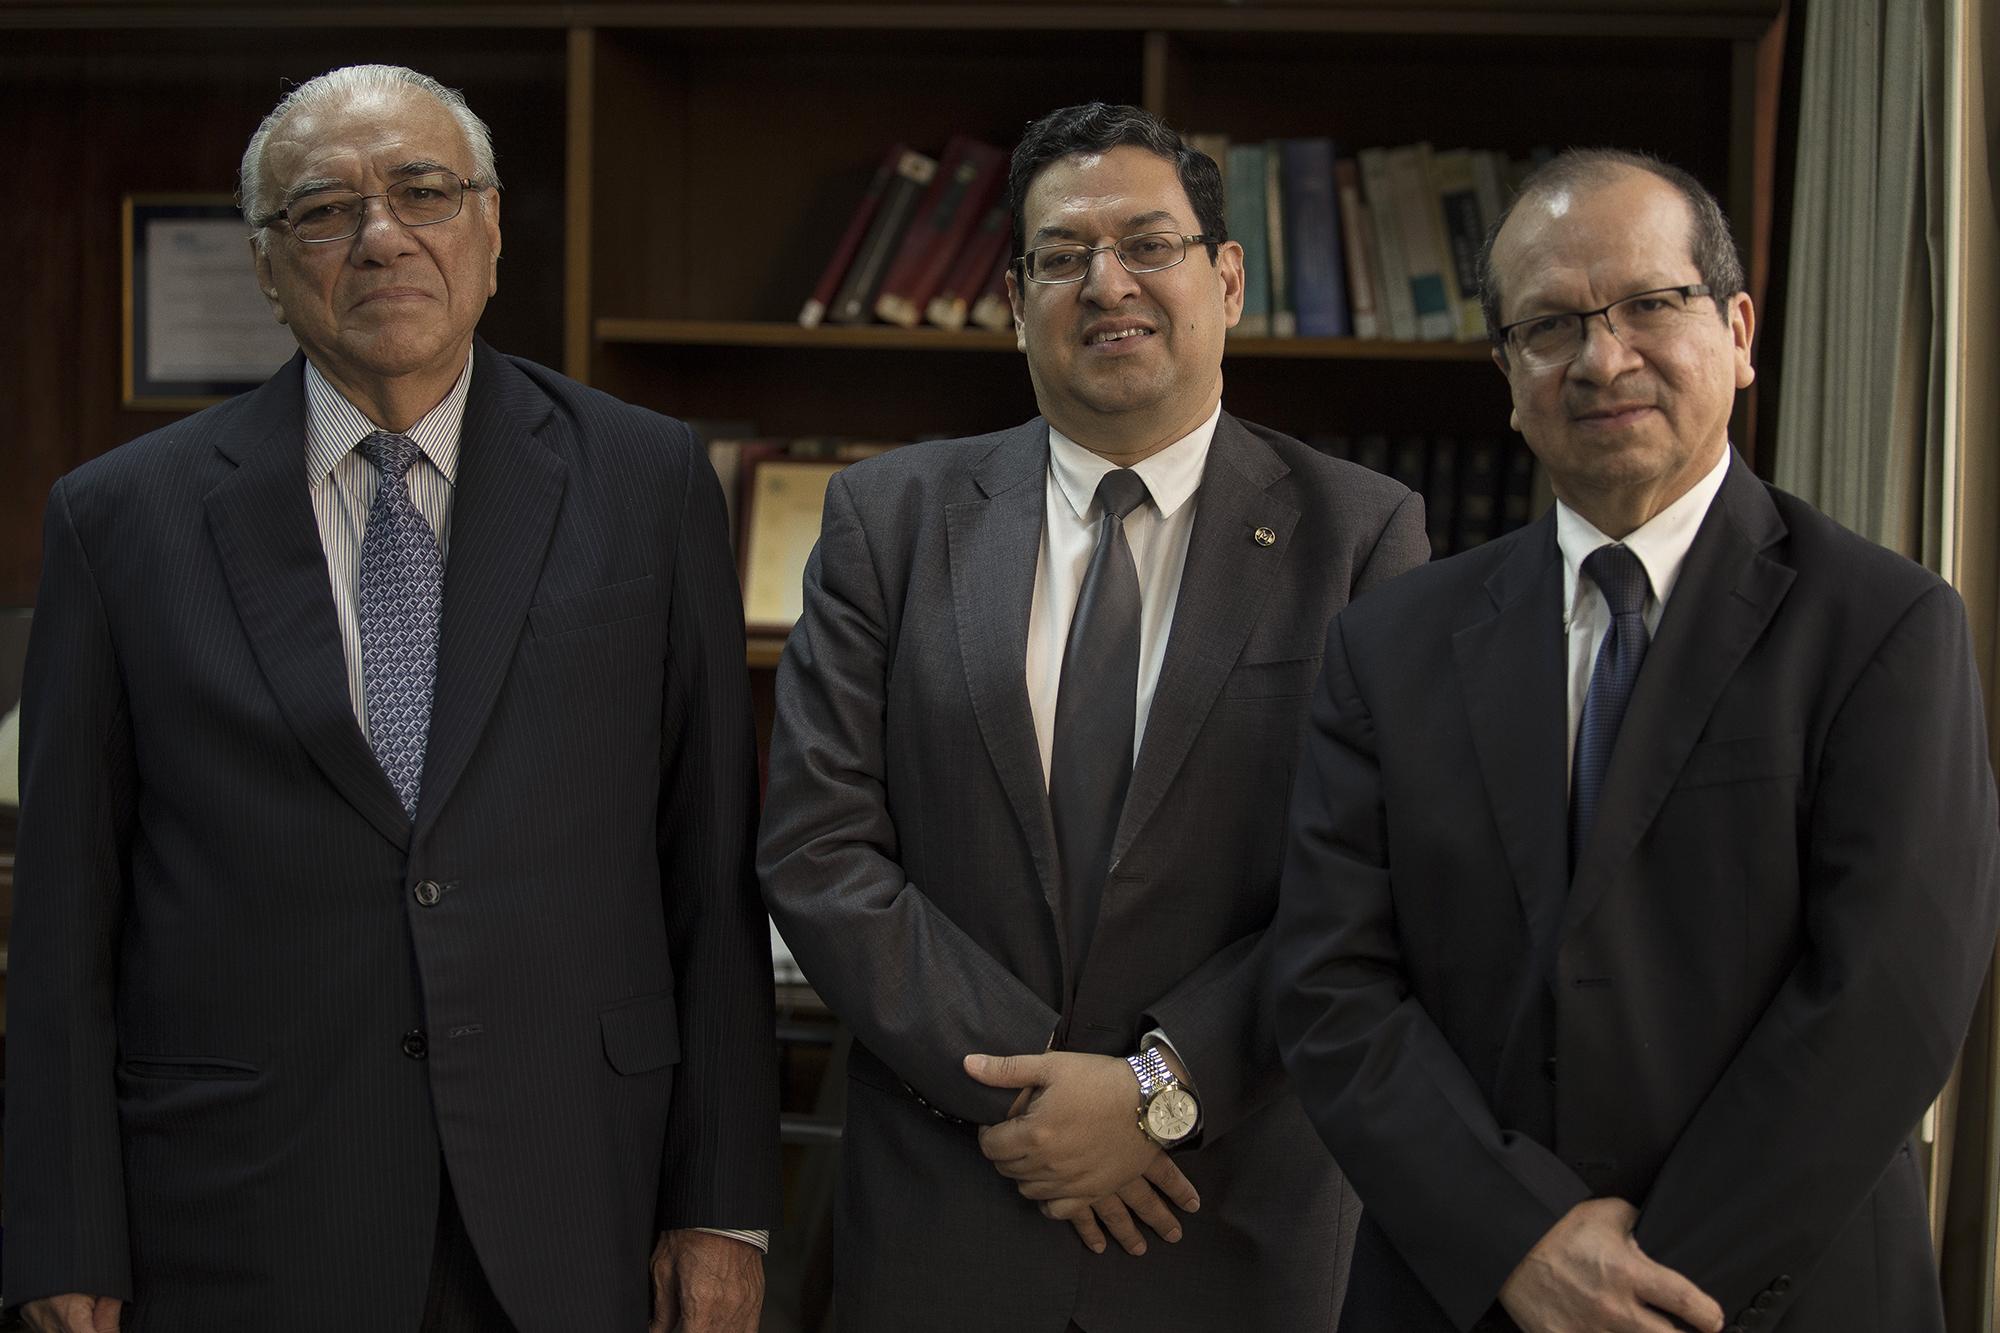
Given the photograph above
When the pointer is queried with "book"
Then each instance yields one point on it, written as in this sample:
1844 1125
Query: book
1422 240
1372 452
1312 239
1216 147
992 310
952 305
1480 478
1399 312
1284 320
967 181
854 303
1357 243
1517 492
1459 216
1441 497
1247 224
850 240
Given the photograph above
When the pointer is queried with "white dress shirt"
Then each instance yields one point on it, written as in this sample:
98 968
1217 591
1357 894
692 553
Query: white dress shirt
1661 543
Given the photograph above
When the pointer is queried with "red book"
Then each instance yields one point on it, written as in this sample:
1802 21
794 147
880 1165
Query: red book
969 272
850 240
992 310
969 178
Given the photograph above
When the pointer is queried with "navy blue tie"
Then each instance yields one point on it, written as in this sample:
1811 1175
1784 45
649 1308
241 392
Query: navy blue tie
1622 580
402 596
1090 764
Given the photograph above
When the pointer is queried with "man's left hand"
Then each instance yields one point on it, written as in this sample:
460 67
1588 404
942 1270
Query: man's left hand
705 1283
1077 1136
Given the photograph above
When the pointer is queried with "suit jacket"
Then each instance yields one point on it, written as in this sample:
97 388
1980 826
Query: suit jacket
253 1003
1754 983
909 857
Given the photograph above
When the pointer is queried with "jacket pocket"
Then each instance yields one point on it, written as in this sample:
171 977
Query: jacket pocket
1272 680
1741 759
600 606
641 1035
186 1067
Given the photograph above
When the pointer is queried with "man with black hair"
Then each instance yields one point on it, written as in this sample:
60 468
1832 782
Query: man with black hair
1034 734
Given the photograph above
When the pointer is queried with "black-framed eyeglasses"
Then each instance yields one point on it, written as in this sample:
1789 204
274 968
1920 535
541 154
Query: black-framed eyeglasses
1069 261
1545 341
336 215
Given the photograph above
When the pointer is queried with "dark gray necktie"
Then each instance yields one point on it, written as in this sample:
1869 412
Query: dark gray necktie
1096 708
402 595
1622 579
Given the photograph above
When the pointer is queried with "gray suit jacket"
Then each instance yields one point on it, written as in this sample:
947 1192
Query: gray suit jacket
909 857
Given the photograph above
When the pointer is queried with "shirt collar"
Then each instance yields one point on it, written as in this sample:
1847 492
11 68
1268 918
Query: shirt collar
334 426
1661 542
1171 475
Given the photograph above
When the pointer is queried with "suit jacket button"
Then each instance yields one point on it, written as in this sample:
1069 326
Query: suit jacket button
1783 1283
428 892
415 1045
1549 1068
1765 1300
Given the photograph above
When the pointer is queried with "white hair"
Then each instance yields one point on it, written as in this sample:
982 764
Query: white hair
336 88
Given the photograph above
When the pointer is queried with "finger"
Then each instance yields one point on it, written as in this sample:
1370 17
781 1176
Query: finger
1004 1142
1167 1177
1665 1289
1007 1071
104 1317
1111 1213
1151 1209
1043 1189
1088 1231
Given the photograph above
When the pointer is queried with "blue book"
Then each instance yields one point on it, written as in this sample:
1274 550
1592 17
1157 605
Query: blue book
1312 239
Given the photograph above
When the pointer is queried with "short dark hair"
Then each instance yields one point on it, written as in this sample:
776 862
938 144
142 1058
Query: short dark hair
1711 243
1096 127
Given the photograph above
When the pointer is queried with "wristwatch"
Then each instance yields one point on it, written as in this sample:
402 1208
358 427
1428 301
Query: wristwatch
1168 1112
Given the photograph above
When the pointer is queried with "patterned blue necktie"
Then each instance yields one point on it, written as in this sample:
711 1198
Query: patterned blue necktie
402 595
1622 579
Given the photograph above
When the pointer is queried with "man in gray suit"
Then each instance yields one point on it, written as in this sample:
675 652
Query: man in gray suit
1034 734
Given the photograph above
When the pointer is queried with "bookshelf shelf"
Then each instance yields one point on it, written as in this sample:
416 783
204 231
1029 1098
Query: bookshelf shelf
885 337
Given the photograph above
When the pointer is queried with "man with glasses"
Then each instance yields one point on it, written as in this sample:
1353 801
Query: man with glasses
1026 809
1642 872
386 953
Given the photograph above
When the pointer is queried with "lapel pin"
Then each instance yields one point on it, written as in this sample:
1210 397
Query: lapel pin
1264 537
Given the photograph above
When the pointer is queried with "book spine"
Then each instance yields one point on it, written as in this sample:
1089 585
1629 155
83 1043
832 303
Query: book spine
1312 234
1423 247
855 301
1441 497
1399 311
1356 243
1284 320
953 302
1459 218
850 240
1247 224
992 310
964 186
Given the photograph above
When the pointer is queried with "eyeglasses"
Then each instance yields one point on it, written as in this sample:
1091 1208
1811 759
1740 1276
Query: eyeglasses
1148 252
335 215
1547 341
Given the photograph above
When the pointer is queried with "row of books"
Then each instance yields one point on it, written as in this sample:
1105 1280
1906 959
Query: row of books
1381 244
927 244
1474 489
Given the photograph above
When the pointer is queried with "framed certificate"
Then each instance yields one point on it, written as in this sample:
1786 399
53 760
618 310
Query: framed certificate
782 500
197 330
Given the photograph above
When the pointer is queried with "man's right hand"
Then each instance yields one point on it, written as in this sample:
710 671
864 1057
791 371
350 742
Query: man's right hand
1588 1275
1144 1198
73 1314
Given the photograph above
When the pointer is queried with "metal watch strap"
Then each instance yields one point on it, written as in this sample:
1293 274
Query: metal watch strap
1151 1067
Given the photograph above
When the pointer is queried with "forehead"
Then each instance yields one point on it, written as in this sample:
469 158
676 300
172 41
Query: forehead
369 134
1105 188
1595 240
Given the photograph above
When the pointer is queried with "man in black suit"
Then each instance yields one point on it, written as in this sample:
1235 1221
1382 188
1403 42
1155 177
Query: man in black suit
966 857
386 953
1637 1029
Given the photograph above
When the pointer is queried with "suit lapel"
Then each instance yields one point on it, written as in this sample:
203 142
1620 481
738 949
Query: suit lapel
1727 592
262 521
994 542
1510 673
1224 584
504 505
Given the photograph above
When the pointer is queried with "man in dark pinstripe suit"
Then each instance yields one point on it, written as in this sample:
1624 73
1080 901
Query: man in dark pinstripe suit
386 951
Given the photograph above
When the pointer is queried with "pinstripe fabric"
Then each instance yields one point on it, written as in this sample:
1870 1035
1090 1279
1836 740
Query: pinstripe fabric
220 949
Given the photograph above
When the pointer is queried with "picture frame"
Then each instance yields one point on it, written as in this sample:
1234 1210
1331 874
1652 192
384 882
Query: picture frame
782 502
196 329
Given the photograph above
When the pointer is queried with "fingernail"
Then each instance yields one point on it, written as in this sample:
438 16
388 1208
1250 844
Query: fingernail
1173 1236
975 1064
1194 1205
1097 1247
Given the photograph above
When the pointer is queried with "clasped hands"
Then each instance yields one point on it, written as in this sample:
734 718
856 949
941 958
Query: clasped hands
1071 1143
1588 1275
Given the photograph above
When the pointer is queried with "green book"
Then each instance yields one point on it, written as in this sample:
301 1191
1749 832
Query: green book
1247 224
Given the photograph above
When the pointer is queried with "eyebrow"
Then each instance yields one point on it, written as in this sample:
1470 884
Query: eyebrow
421 167
1133 225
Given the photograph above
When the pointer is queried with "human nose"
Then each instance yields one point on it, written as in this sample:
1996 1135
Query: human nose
1106 281
1602 354
381 231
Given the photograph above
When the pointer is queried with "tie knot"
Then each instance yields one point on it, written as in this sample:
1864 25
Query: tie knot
393 455
1619 576
1121 491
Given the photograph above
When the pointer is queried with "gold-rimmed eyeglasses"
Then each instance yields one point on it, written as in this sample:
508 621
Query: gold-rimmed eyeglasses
336 215
1069 261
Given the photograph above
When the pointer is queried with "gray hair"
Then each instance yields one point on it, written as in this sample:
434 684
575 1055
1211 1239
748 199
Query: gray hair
335 88
1711 244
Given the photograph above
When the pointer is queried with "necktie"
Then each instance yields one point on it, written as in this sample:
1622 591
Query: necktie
402 585
1622 579
1096 708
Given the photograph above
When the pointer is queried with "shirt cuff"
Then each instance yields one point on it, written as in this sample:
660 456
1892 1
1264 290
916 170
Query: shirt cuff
760 1239
1158 1037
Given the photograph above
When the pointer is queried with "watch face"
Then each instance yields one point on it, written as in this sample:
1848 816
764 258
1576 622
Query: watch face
1171 1115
